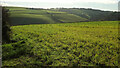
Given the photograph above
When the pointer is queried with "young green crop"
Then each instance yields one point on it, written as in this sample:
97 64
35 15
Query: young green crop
68 44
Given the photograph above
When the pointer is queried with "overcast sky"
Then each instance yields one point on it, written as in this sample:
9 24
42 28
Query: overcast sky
111 5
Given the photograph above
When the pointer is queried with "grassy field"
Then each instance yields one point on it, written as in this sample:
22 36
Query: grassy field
65 44
24 16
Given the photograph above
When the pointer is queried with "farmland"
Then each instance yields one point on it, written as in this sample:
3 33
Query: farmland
63 44
24 16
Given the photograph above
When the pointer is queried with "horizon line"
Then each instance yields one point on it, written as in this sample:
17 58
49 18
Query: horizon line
61 7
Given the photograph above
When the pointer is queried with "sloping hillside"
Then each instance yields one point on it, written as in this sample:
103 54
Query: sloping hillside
20 16
92 14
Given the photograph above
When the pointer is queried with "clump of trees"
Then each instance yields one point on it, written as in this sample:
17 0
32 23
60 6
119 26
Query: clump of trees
6 31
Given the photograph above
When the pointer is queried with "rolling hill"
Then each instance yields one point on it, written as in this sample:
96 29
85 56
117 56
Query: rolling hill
57 37
22 15
92 14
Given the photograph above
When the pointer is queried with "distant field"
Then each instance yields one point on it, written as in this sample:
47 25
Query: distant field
65 44
23 16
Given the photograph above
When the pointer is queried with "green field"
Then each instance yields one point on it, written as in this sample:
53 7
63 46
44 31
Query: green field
65 44
24 16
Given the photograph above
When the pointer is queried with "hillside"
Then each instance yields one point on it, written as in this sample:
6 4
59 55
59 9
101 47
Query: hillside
21 15
61 37
92 14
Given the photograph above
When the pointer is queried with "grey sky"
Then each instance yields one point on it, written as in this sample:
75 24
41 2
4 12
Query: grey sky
111 5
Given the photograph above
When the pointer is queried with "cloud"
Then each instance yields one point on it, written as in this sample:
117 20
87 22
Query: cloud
65 1
99 1
100 4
